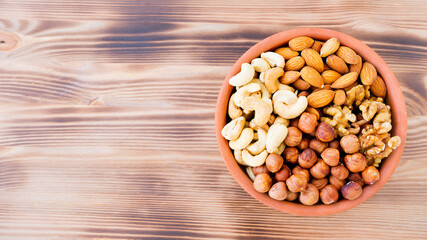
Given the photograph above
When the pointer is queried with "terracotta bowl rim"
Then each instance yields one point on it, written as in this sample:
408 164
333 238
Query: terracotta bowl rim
394 99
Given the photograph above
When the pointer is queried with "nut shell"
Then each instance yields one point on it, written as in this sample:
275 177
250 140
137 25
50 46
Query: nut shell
336 182
303 144
307 158
259 169
296 183
351 190
262 182
335 144
319 183
278 191
301 171
325 132
292 196
355 177
329 194
356 162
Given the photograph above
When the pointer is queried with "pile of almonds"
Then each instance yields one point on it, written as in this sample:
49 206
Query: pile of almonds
305 125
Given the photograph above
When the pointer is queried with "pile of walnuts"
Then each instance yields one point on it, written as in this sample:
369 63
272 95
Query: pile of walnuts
309 122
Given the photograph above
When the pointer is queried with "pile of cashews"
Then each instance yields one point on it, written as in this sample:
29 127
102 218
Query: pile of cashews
260 110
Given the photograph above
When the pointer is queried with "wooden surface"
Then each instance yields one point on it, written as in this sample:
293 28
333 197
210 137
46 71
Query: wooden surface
107 108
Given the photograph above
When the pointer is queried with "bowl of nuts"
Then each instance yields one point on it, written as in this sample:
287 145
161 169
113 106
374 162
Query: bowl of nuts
311 122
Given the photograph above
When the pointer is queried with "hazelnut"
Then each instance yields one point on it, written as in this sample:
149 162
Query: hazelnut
301 171
312 134
356 162
278 191
274 162
320 169
307 158
336 182
259 169
310 195
317 145
370 175
340 172
294 137
316 112
294 122
325 132
303 144
350 144
296 183
319 183
355 177
283 174
292 196
351 190
331 156
329 194
335 144
307 122
291 155
262 182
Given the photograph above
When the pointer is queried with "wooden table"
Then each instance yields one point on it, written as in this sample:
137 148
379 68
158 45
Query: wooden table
107 119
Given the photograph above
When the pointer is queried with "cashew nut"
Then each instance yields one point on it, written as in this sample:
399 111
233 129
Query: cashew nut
280 149
265 94
257 127
288 105
271 78
262 110
258 146
238 157
232 130
274 59
275 136
250 173
245 91
262 76
280 120
254 161
243 140
260 65
246 74
233 110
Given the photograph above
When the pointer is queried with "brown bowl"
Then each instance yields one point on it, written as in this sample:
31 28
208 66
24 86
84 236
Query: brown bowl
394 99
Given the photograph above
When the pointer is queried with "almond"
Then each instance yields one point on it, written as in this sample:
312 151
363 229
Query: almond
358 66
312 59
286 52
330 76
300 43
339 98
325 87
326 67
301 84
378 88
347 54
368 74
337 64
320 98
289 77
345 80
317 46
294 64
330 47
311 76
349 87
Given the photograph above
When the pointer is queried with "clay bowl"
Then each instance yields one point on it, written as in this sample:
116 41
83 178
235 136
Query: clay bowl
394 99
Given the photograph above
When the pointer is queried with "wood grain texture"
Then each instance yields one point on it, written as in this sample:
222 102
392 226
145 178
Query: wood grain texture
107 119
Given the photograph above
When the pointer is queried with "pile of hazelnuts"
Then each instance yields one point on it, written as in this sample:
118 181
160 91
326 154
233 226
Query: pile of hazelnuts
315 165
